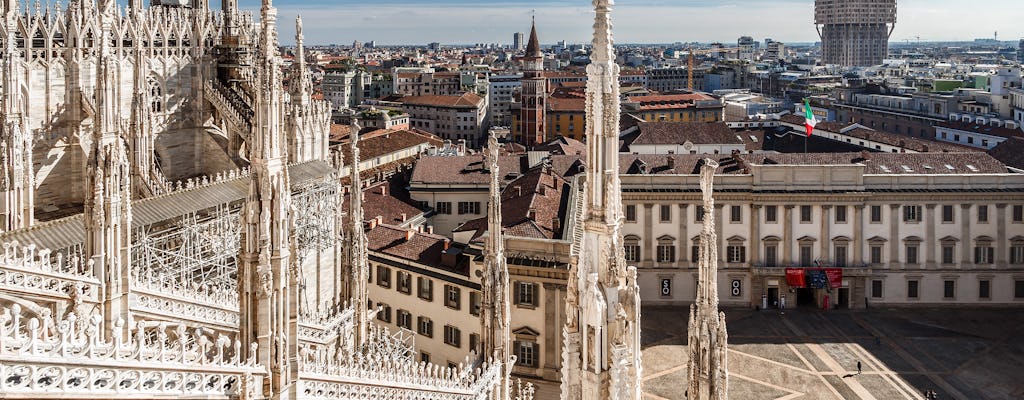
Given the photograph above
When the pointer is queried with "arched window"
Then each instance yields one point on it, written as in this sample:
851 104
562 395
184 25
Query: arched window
156 96
666 249
632 248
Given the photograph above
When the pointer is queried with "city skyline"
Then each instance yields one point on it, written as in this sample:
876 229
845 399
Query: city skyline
394 22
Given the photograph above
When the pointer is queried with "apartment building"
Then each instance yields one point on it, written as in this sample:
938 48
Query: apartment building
460 117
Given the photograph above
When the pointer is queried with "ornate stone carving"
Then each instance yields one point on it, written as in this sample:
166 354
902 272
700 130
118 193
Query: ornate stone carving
706 368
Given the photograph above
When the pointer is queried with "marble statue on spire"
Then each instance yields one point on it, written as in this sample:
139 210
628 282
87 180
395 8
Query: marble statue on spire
601 337
309 120
267 282
706 368
495 311
356 267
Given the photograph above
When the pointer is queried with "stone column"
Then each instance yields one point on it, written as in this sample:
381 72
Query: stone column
684 237
858 234
554 306
826 232
894 235
649 238
1001 236
718 231
929 240
786 247
755 233
965 236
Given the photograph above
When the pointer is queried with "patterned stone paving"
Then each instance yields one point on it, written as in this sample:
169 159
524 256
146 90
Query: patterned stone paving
963 354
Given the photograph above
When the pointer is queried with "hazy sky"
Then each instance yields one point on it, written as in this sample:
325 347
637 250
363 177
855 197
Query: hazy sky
636 21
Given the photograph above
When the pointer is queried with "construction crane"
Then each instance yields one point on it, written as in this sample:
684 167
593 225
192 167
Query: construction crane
692 51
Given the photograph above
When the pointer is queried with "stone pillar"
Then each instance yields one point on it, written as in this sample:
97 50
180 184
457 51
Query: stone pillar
649 238
929 240
858 234
554 295
1001 236
826 232
965 236
786 247
718 232
684 237
755 234
894 235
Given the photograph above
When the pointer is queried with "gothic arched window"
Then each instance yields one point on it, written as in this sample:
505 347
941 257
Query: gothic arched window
156 96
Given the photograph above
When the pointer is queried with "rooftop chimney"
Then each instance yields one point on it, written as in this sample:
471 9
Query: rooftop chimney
671 161
430 229
556 224
380 220
447 244
373 223
404 217
384 190
519 191
409 234
532 214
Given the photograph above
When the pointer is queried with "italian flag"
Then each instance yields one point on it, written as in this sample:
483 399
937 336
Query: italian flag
811 121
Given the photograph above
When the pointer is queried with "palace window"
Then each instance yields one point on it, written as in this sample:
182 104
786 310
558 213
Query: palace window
666 249
876 254
736 253
1018 213
403 319
698 213
771 214
631 213
452 336
526 353
383 276
443 207
911 253
474 342
984 254
949 289
452 296
771 255
806 255
469 207
840 255
631 247
984 289
665 214
912 214
876 288
805 214
385 312
982 214
425 288
404 282
526 294
735 214
912 289
474 303
425 326
840 214
947 214
876 214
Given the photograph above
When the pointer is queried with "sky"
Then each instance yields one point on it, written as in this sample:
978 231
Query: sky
419 22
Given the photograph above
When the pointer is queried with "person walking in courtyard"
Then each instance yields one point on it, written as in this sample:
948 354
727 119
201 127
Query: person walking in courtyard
858 368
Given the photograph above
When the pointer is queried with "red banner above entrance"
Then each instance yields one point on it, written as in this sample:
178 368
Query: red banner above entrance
795 277
835 277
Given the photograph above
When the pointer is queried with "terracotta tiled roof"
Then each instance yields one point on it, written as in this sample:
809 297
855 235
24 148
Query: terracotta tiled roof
1010 152
891 163
539 194
908 142
563 146
467 100
673 164
567 104
423 248
653 133
983 129
388 201
464 169
383 142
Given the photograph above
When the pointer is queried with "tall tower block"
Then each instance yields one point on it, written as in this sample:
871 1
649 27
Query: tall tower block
854 32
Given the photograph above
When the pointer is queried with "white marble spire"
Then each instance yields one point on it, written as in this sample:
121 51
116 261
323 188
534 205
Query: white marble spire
601 339
495 308
357 265
707 337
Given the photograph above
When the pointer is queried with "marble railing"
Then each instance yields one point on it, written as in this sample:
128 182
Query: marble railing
27 271
374 376
43 358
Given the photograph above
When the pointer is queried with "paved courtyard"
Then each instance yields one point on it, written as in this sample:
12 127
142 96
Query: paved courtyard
962 354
